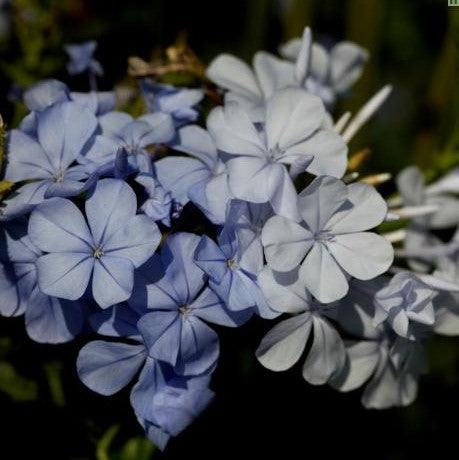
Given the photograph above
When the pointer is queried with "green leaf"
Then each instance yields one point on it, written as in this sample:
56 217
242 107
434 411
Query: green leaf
104 443
137 449
16 386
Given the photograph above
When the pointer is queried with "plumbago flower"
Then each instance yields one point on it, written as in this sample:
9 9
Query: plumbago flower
330 242
116 242
179 103
203 179
232 265
391 365
284 344
404 303
47 319
120 132
81 58
325 73
63 132
293 135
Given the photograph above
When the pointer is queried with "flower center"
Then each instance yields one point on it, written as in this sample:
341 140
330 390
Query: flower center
185 310
232 264
59 176
275 154
323 236
98 253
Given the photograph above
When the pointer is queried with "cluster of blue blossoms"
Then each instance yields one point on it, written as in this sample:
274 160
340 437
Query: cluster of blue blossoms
89 239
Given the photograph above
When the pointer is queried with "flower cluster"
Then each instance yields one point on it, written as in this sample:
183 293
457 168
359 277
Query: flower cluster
90 234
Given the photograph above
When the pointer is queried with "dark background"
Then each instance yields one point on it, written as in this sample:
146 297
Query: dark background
45 411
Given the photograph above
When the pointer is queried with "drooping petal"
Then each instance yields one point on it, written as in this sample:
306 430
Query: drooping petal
107 367
52 320
327 354
16 284
363 359
283 345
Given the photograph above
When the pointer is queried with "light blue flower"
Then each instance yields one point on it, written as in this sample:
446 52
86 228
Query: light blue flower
262 163
284 344
82 58
330 242
232 266
389 364
116 242
120 132
180 304
63 132
47 319
326 73
405 303
180 103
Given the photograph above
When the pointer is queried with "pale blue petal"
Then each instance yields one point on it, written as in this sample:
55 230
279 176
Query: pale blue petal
52 320
113 280
109 208
106 367
57 225
64 275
